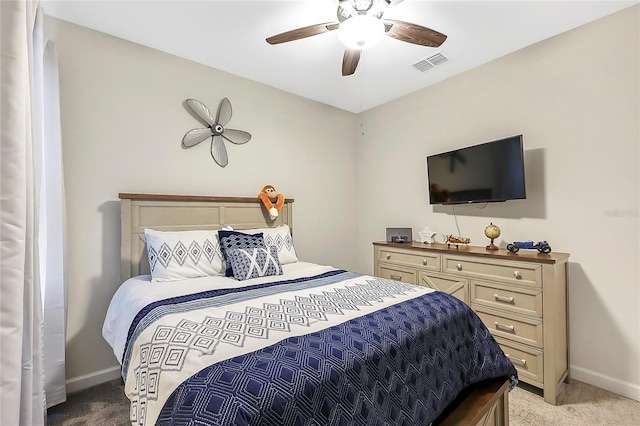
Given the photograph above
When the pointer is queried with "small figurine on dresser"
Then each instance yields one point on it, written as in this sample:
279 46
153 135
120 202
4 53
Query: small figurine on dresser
492 231
456 240
541 246
427 236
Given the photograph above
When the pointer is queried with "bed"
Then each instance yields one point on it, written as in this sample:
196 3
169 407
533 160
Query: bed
282 341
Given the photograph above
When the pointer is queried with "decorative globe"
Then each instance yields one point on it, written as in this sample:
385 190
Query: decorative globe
492 231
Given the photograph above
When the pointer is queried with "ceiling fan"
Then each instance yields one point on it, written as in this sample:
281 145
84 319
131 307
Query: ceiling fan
360 25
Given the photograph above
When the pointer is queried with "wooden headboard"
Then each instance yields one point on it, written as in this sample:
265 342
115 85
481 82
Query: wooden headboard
182 213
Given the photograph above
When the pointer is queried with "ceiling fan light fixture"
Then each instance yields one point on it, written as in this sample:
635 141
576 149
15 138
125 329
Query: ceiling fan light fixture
360 32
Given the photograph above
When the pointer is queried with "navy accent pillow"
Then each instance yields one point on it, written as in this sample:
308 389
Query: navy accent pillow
254 262
238 240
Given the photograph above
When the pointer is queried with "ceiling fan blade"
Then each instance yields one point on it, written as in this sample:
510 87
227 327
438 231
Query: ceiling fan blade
224 112
303 32
413 33
236 136
201 111
195 136
350 61
219 151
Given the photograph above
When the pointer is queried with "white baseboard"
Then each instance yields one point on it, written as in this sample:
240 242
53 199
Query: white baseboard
620 387
85 381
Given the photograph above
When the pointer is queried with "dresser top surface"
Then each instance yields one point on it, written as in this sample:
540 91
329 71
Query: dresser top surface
466 250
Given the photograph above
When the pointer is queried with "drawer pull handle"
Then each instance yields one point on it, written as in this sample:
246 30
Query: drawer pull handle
396 277
388 256
504 326
503 298
459 266
424 262
517 275
520 361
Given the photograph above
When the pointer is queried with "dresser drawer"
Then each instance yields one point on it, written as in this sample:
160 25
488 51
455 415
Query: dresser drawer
426 260
528 361
516 299
520 273
398 273
455 286
520 329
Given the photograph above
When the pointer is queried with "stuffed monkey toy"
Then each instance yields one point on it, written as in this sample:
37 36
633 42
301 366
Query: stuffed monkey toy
271 200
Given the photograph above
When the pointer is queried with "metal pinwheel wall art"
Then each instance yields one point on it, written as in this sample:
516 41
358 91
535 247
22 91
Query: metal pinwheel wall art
215 130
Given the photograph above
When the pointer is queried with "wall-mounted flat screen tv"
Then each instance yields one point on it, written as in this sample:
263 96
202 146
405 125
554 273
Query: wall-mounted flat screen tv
484 173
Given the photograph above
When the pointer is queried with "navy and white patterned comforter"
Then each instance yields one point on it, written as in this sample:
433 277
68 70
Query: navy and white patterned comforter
336 348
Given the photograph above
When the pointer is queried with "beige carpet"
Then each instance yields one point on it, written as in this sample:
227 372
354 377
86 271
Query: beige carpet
580 405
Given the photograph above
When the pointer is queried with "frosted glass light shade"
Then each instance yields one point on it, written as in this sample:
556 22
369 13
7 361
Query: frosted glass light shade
360 32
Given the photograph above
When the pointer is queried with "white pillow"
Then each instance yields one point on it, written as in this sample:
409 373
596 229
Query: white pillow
176 255
280 236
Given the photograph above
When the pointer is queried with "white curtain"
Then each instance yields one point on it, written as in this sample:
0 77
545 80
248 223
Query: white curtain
22 130
53 236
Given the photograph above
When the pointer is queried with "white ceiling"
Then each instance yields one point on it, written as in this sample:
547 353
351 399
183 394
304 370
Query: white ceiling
230 36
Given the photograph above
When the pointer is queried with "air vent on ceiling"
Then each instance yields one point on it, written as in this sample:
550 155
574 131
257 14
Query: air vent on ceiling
430 62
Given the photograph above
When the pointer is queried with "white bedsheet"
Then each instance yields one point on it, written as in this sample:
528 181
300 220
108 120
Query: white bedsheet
137 292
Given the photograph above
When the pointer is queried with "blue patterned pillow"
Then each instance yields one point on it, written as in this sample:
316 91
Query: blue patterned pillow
236 240
254 262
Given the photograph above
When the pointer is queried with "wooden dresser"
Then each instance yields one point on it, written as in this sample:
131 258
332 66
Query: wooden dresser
521 297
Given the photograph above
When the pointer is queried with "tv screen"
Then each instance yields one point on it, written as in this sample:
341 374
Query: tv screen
489 172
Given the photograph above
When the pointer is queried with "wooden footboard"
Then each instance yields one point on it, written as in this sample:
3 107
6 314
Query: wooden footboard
485 404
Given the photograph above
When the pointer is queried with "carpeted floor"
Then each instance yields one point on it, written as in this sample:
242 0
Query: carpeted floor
99 405
580 405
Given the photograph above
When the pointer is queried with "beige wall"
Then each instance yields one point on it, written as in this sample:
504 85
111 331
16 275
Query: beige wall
576 100
122 124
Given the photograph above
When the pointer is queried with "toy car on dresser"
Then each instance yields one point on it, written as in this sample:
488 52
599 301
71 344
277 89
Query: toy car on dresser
541 246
